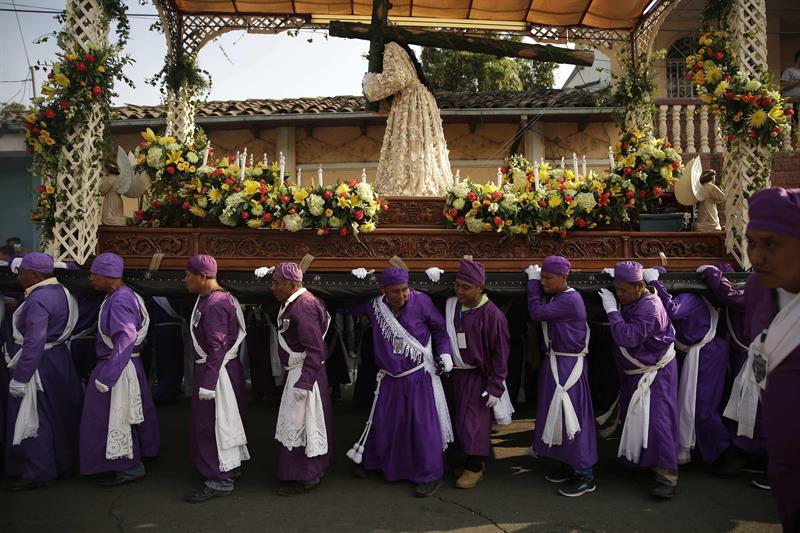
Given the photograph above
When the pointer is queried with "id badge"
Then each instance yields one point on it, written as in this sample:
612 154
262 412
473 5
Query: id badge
462 340
284 325
759 368
196 318
398 344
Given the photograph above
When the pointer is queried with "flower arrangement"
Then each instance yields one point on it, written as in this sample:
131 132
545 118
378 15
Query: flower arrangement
44 214
748 108
476 208
347 207
647 166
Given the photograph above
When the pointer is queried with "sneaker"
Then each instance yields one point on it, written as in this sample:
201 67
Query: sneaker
579 488
664 491
205 494
296 488
469 479
562 475
424 490
761 482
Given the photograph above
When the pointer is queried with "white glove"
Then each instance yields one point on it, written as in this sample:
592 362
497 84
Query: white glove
609 301
447 361
609 271
362 273
491 401
14 266
534 272
434 273
59 264
16 389
102 387
205 394
300 394
260 272
650 274
701 268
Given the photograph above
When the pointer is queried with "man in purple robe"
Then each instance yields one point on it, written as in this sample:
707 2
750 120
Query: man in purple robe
773 314
564 428
409 426
217 440
478 333
44 406
645 355
704 361
305 419
119 425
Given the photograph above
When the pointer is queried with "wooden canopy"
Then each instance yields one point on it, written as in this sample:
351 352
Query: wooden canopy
598 14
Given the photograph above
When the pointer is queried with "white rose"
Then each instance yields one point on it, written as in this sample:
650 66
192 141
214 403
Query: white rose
365 192
293 222
459 203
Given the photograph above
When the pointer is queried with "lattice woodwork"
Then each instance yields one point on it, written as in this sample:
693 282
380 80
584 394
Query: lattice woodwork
746 166
79 169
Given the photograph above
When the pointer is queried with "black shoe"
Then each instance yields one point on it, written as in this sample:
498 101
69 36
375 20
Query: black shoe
664 491
119 480
296 488
578 488
563 474
205 494
761 482
26 484
424 490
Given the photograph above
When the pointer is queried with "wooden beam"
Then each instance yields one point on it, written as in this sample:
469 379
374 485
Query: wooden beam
380 13
467 43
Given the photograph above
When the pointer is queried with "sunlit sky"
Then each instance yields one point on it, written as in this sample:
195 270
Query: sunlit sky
242 65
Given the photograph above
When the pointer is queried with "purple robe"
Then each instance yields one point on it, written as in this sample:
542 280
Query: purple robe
736 317
565 315
486 330
406 439
216 332
691 319
307 317
644 329
55 450
120 320
781 402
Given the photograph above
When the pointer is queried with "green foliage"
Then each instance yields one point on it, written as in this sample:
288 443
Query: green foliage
453 70
633 92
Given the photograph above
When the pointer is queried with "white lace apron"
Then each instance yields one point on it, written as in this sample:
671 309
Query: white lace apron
765 353
413 350
125 408
636 430
503 410
561 413
687 387
27 423
301 423
228 427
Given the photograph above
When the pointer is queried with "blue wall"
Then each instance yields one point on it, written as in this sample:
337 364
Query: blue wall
17 199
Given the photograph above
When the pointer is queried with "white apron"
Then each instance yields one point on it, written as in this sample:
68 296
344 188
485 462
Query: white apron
503 410
228 427
27 423
125 408
687 387
301 423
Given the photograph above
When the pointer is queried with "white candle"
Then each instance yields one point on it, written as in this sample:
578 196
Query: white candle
242 165
575 164
299 177
535 177
265 160
282 166
205 153
319 175
458 176
499 177
583 160
611 157
562 162
541 160
363 175
251 160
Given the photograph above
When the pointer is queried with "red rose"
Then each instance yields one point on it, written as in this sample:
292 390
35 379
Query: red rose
359 215
285 199
625 146
629 194
230 181
155 204
563 234
471 196
503 169
789 112
88 58
139 215
186 204
29 149
96 90
729 137
453 212
643 193
460 221
343 231
753 134
542 203
498 221
496 195
352 183
35 131
245 215
719 56
767 102
173 200
49 114
327 195
562 187
628 170
676 165
728 96
80 67
657 191
51 75
217 171
63 105
41 188
231 158
568 198
171 169
580 223
777 130
688 76
267 217
385 207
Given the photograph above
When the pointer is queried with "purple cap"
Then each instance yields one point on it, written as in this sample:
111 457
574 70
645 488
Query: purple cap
289 271
37 262
725 267
202 264
555 264
394 276
775 210
72 265
628 272
472 272
108 265
661 269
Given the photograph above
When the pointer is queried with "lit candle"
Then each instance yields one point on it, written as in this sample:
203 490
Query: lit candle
583 160
575 164
535 177
319 175
363 175
499 177
299 177
611 157
562 162
282 166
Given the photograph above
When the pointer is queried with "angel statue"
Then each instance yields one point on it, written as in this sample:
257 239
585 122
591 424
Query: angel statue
113 185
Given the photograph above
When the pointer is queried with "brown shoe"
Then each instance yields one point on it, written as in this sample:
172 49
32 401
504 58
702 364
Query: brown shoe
469 479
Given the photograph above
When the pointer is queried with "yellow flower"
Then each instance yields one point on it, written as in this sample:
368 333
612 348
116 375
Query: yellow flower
174 157
164 141
367 227
214 195
555 201
706 98
197 211
149 136
225 186
776 113
71 56
476 204
45 138
757 119
699 78
721 88
342 188
192 169
61 80
251 187
183 165
713 74
344 202
141 159
329 213
101 68
49 189
254 223
299 195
